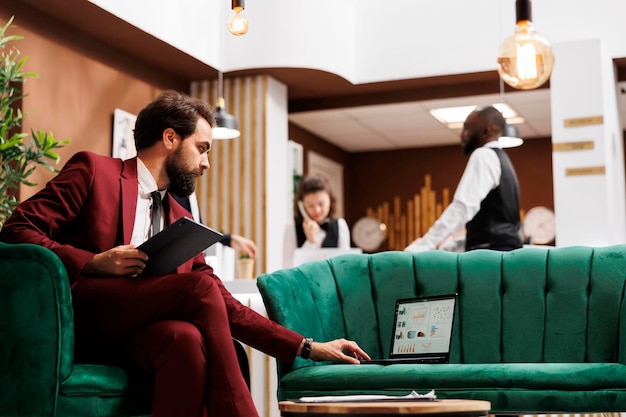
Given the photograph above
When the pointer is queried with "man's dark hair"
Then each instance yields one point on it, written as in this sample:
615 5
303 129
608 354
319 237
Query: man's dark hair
492 117
170 109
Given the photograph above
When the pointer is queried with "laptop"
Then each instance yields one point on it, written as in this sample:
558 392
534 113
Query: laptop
422 330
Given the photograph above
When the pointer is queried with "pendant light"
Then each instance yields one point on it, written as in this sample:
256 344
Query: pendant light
525 60
510 137
226 126
238 24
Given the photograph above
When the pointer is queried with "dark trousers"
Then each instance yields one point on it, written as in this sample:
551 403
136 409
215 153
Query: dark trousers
174 327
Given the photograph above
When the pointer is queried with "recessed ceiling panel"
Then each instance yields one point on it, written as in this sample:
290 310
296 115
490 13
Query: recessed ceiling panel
408 125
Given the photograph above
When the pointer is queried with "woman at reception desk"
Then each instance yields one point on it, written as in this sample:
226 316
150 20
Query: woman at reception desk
314 226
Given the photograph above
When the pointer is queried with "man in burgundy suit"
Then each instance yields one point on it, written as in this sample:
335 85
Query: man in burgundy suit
178 327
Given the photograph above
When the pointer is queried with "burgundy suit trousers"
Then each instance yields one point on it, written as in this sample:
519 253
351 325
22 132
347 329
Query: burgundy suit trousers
174 327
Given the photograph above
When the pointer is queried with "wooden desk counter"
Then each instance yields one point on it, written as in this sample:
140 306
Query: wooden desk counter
438 408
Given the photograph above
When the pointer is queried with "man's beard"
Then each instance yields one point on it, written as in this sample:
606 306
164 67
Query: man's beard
182 181
470 145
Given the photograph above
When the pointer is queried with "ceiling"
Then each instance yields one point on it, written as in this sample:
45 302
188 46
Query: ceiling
409 124
355 117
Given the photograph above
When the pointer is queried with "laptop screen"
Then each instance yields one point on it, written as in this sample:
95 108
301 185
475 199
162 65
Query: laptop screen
423 327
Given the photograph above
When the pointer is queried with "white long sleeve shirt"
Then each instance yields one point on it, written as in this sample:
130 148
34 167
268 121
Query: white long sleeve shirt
482 174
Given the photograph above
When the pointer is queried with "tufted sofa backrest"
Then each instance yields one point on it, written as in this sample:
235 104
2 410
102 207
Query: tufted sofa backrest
528 305
36 329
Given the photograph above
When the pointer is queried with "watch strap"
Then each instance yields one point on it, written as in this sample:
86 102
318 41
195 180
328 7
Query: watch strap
306 348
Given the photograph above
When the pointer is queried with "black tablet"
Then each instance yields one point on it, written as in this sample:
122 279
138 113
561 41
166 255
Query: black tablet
176 244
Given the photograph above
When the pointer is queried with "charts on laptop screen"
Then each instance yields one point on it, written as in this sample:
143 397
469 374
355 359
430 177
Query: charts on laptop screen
423 326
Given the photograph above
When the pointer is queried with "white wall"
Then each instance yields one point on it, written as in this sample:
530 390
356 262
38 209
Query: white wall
189 25
589 208
278 206
367 40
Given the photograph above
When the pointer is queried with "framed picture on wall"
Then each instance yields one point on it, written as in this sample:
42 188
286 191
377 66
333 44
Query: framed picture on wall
123 140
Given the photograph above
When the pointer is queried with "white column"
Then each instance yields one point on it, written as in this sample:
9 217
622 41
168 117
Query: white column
277 179
587 157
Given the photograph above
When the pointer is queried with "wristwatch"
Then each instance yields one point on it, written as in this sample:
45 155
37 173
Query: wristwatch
306 348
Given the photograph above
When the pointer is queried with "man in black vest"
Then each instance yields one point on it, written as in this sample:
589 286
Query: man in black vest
486 200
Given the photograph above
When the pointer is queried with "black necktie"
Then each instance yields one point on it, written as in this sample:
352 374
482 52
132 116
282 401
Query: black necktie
156 212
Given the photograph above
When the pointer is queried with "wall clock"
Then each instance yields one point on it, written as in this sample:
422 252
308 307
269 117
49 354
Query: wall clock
539 225
369 233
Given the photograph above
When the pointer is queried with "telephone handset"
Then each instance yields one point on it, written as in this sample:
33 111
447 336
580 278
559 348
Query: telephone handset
303 212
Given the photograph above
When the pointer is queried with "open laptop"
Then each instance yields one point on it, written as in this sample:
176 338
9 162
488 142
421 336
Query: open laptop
422 330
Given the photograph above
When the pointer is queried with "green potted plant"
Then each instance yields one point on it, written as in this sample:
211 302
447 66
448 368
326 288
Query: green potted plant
245 266
18 158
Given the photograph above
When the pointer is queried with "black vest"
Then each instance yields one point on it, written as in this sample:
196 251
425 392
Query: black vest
332 234
497 223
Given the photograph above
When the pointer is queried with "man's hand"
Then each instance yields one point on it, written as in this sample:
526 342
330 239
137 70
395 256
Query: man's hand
243 244
417 245
124 260
341 350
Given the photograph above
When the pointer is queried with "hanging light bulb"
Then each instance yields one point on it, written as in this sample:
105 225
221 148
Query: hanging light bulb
238 24
525 60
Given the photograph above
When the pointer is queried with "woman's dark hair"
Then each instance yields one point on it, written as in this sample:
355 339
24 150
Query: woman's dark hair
309 185
170 109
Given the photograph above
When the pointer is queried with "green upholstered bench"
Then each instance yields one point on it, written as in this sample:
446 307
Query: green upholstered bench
536 331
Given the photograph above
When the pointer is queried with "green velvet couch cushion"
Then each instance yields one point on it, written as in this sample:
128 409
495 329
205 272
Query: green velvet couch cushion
100 390
105 381
522 387
536 330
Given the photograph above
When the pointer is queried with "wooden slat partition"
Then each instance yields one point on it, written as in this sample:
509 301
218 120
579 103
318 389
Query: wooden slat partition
231 196
422 210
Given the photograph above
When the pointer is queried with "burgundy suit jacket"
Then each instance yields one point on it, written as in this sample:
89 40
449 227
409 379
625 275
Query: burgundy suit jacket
89 207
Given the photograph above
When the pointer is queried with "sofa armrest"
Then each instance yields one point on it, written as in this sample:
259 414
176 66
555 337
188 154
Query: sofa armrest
36 329
621 348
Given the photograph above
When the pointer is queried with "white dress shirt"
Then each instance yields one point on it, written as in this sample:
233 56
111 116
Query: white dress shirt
481 175
143 221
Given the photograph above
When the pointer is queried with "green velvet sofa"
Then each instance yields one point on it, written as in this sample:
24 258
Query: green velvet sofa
38 376
536 330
